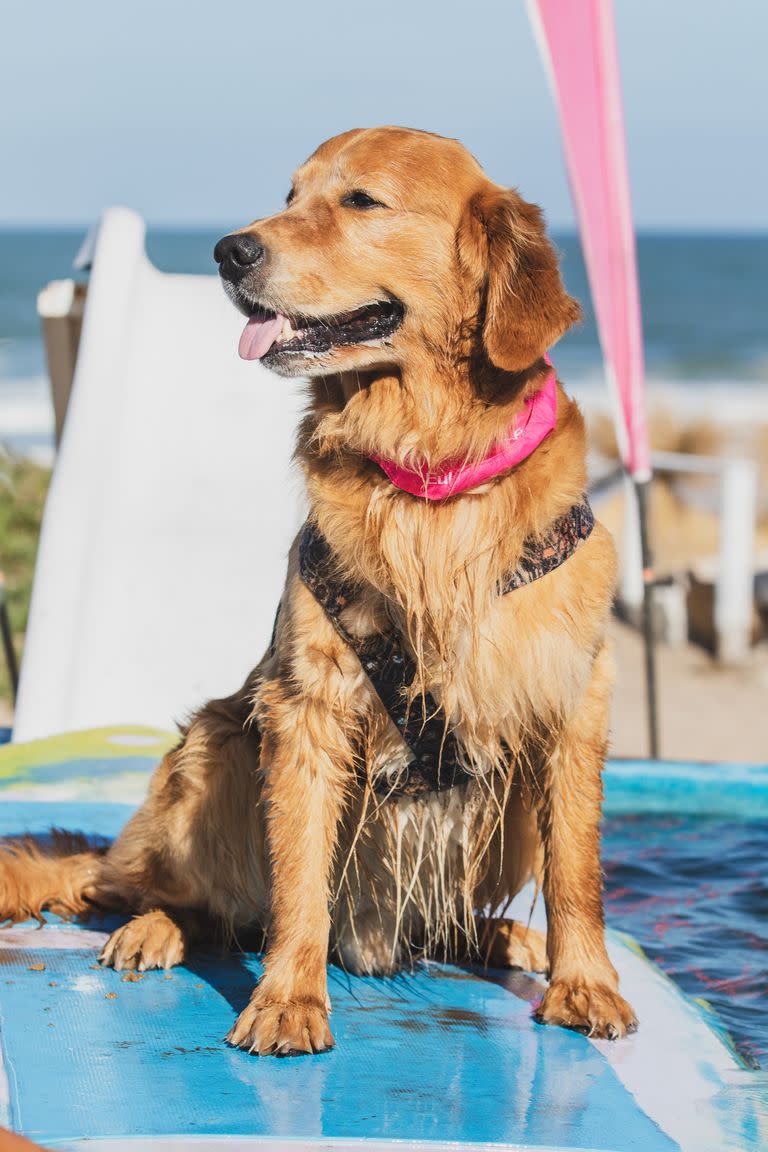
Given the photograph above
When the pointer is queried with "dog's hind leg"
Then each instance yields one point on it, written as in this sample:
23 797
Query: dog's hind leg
510 944
515 857
192 858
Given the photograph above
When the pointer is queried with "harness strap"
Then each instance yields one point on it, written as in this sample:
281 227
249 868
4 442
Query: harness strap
436 759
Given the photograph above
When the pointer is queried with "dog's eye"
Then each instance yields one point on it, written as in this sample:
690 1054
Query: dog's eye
360 199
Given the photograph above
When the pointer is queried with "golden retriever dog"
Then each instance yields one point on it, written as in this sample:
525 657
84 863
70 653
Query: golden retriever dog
428 728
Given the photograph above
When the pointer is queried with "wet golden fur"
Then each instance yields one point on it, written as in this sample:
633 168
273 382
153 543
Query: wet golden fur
264 814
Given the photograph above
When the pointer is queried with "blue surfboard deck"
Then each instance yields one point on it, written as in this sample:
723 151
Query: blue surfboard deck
440 1057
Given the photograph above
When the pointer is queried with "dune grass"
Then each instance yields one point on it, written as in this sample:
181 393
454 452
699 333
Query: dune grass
23 487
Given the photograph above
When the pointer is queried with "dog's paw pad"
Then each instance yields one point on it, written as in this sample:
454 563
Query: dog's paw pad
594 1009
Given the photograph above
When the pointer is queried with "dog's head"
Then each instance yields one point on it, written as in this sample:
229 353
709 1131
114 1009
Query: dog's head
393 240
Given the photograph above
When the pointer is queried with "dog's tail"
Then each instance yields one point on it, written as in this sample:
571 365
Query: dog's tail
59 874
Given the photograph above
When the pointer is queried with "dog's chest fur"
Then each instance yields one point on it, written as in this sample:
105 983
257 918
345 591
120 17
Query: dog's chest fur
503 669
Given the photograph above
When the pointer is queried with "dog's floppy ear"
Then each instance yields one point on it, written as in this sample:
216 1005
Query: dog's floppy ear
526 306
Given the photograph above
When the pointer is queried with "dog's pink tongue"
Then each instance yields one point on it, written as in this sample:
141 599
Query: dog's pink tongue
259 335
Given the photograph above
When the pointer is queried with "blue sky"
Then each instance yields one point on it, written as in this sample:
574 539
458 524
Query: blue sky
197 112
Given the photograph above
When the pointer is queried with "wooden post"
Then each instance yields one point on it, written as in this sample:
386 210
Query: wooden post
734 595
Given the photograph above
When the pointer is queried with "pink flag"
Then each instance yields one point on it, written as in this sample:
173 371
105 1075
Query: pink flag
578 44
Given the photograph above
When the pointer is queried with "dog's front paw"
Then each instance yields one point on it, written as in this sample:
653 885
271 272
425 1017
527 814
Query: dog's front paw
594 1009
149 941
293 1027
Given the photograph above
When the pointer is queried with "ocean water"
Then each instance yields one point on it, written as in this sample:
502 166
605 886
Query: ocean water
705 312
693 892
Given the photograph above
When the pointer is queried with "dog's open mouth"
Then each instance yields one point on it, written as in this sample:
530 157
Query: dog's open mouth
268 334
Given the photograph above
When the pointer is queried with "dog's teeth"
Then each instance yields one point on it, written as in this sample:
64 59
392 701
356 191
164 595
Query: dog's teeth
287 330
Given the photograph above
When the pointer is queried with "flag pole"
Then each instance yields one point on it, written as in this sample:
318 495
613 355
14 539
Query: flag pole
642 491
578 48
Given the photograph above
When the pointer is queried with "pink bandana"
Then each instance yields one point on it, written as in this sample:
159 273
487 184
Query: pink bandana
530 427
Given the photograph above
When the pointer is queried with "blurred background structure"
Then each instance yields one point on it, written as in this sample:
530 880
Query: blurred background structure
200 116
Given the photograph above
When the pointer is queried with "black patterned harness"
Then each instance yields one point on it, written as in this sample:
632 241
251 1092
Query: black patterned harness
435 759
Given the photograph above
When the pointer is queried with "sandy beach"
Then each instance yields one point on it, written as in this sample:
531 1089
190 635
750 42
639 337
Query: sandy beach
706 712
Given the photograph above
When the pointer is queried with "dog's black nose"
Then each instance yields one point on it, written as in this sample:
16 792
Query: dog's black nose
236 254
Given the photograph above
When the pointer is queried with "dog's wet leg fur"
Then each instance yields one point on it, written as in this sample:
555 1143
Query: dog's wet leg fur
583 990
308 735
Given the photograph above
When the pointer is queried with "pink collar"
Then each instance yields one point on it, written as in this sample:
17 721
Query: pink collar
530 427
